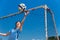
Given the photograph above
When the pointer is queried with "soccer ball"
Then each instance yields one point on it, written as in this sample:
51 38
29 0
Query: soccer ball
22 6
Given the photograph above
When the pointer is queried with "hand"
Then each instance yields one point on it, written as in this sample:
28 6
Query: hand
26 12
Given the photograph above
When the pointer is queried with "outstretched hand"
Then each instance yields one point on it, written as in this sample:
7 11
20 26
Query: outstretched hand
26 12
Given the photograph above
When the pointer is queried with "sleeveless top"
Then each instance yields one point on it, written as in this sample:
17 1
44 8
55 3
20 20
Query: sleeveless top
14 34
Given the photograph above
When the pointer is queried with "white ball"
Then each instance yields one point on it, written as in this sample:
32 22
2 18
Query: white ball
23 5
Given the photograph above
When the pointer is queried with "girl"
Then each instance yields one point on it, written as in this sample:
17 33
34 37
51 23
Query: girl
14 33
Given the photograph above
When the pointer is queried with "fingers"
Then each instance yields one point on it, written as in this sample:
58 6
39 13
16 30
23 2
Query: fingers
26 12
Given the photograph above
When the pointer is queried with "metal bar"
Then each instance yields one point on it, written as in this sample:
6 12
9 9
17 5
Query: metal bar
10 15
42 6
46 30
21 12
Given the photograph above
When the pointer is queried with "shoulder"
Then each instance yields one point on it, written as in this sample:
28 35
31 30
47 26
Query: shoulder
12 30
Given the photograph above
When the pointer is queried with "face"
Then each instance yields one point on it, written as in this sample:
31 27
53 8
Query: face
18 24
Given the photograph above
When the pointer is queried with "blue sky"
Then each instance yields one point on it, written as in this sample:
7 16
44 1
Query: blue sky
34 23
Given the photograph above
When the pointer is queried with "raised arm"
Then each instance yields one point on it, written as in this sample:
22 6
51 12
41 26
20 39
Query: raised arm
26 13
4 34
22 22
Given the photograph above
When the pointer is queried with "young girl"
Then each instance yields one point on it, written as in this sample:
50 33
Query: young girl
14 33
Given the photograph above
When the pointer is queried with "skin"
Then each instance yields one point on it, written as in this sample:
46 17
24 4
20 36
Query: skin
18 25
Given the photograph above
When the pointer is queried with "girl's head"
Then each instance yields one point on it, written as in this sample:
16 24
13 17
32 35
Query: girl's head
18 24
